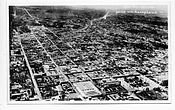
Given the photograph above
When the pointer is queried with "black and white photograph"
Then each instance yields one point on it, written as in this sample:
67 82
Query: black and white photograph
87 54
93 53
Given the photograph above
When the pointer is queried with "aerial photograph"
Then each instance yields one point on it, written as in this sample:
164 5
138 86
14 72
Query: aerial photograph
88 53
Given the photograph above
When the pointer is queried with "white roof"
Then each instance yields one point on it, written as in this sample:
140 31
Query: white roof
87 89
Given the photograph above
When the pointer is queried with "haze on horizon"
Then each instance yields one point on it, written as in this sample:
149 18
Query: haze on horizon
161 9
125 7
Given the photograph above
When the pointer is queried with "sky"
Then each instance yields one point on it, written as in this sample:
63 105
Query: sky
162 8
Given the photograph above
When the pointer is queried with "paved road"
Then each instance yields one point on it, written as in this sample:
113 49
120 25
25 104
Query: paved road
31 74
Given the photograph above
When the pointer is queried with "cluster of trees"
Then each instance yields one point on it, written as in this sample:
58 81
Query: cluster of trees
61 10
89 13
85 13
